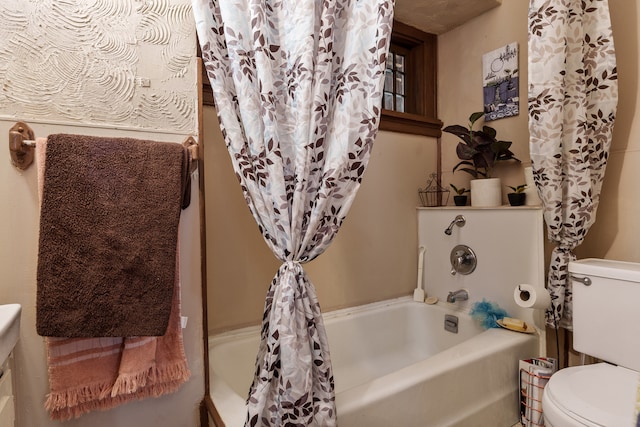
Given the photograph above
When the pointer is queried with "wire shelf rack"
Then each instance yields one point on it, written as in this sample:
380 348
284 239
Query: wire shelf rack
433 194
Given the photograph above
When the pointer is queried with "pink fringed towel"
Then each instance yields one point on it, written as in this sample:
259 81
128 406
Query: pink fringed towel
108 232
87 374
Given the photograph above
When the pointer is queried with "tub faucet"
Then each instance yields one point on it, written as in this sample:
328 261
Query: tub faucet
459 220
459 295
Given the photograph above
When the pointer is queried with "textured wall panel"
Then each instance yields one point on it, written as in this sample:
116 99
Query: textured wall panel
112 63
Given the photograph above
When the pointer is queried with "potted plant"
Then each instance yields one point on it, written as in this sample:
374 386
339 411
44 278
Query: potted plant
460 199
478 151
517 197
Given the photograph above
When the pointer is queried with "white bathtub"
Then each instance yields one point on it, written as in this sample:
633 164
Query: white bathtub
395 365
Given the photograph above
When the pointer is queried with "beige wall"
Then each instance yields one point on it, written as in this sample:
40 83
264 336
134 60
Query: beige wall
460 86
373 257
616 232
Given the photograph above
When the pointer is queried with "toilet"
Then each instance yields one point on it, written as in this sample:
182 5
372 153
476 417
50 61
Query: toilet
606 325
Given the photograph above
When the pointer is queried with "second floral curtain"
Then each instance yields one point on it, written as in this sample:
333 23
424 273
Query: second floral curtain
573 94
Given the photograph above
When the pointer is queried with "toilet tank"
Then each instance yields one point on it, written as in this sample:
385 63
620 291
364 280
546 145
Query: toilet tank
606 314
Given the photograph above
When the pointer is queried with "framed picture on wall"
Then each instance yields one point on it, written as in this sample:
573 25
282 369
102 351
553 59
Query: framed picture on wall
500 82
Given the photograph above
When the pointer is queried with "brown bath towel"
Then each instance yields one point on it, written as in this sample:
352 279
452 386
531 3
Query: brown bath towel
108 232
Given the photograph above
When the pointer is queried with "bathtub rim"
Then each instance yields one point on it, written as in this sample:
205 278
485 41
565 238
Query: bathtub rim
227 403
406 377
224 399
226 336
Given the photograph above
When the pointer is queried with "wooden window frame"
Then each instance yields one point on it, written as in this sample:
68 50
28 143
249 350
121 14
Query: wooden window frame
420 83
207 91
421 80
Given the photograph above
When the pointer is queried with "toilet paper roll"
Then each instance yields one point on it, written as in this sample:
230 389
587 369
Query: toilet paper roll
532 198
529 296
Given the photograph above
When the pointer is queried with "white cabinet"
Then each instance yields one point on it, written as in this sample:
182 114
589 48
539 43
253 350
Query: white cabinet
7 400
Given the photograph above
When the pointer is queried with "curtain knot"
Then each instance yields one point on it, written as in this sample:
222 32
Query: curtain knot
564 249
291 265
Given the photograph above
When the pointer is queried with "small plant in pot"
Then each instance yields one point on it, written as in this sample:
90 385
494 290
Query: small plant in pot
517 197
460 199
478 151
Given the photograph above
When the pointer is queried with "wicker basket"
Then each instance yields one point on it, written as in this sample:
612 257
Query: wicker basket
433 194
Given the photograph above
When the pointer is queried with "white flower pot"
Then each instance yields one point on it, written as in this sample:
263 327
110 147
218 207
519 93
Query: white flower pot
486 192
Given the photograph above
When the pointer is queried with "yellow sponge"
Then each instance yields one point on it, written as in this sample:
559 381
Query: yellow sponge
510 322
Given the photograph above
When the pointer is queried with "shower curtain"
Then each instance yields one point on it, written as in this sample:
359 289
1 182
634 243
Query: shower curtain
573 94
297 85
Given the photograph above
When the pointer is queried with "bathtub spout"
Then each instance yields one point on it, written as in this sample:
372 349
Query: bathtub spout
459 295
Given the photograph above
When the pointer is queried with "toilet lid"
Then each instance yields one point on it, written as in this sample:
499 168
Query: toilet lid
600 394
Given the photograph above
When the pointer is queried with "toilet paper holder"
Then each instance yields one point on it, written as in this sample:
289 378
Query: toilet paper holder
528 296
524 294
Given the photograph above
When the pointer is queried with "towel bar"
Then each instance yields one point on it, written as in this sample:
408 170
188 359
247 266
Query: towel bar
22 143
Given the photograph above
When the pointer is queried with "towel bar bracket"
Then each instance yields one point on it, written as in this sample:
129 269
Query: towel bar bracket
21 151
192 146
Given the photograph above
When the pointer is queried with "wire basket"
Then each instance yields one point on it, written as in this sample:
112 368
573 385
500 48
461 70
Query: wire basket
433 194
534 375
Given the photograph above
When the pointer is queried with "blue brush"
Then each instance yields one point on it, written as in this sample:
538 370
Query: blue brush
487 313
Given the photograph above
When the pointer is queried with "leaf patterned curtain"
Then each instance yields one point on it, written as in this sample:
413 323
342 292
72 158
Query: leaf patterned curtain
298 88
573 95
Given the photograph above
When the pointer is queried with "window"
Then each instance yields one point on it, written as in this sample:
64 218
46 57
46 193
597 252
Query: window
395 81
409 103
